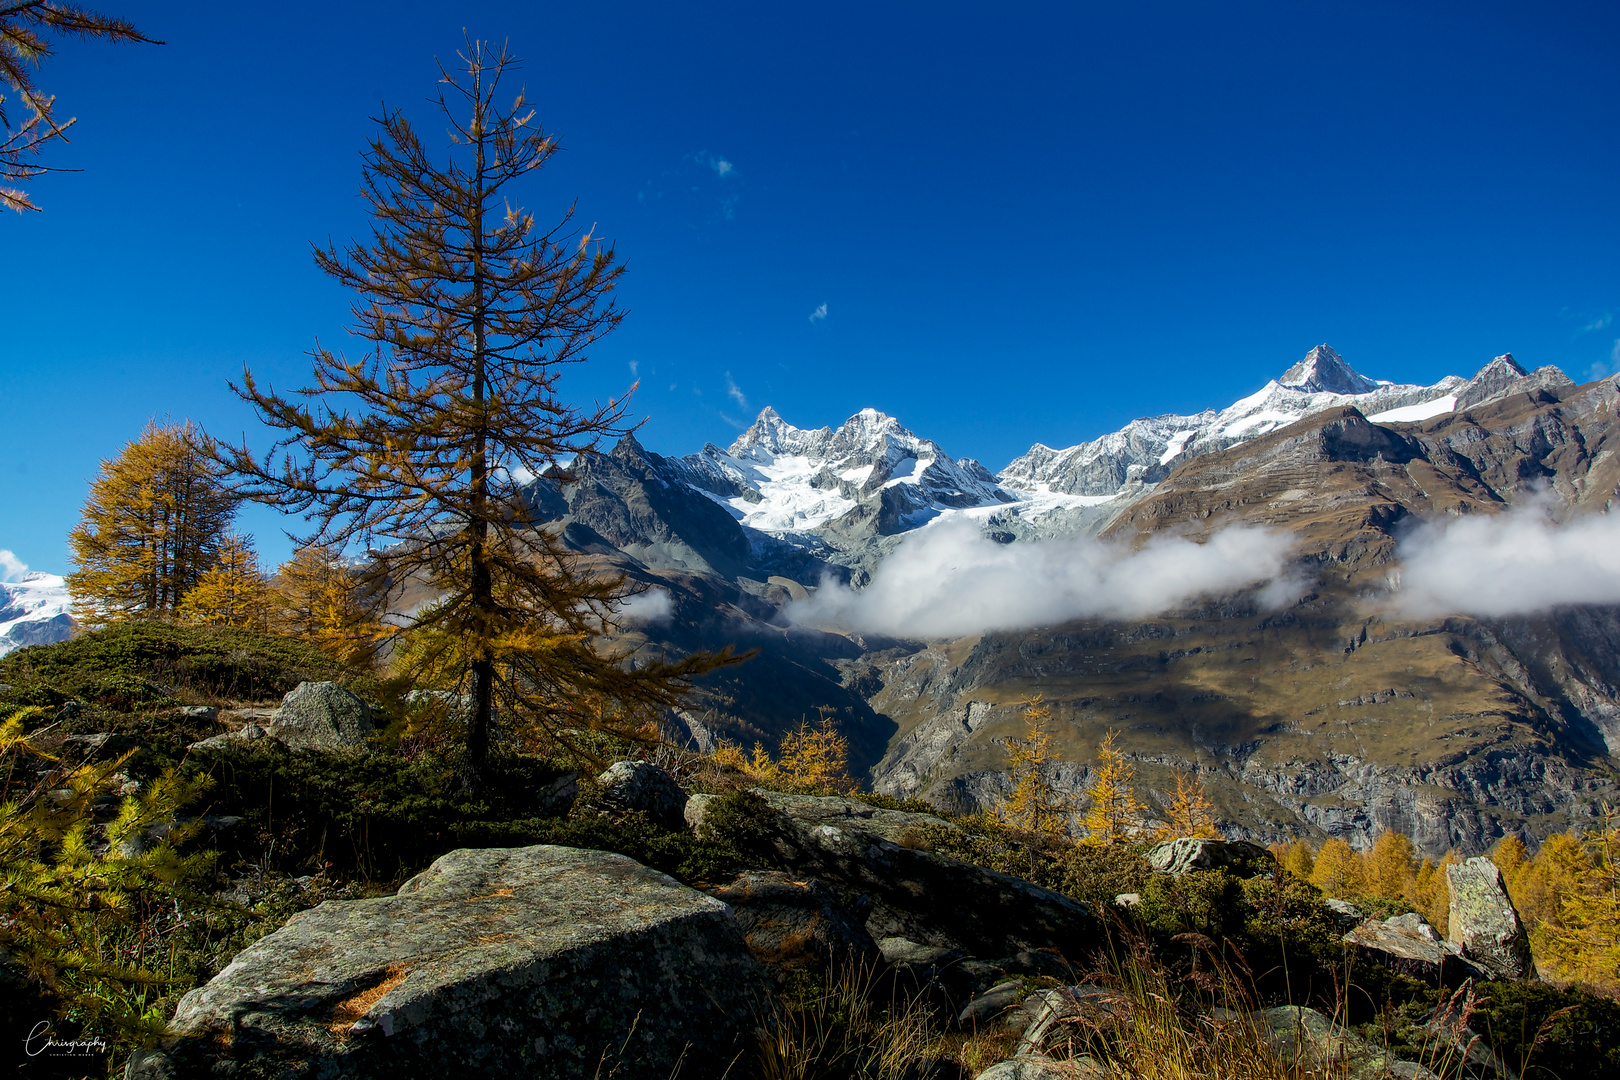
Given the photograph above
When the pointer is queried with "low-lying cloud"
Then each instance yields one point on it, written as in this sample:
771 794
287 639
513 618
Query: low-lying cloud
11 567
949 580
1512 563
647 608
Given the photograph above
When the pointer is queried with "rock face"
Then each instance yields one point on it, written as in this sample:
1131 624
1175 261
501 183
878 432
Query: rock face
1188 853
875 860
527 961
1305 1035
641 785
794 925
1484 924
322 716
1409 945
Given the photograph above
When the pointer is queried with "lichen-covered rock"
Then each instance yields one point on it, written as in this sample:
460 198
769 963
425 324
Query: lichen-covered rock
536 962
322 716
870 856
1041 1067
248 732
1309 1038
641 785
1484 924
1189 853
1409 945
793 924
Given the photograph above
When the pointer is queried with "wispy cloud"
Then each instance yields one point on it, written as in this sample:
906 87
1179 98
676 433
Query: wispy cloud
635 369
819 314
734 392
948 579
11 567
721 166
1598 323
646 608
1602 370
1513 563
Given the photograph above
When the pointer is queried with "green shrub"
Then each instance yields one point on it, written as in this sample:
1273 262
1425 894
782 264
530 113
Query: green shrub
1549 1034
131 664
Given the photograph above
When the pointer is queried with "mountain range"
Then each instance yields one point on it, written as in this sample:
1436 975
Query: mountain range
1331 715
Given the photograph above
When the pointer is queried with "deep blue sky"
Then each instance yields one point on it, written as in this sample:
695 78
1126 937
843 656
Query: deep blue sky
1028 222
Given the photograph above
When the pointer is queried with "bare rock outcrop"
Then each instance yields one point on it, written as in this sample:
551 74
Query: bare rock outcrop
1484 925
541 961
322 716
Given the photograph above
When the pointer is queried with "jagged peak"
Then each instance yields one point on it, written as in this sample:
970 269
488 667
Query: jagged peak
1502 364
1324 370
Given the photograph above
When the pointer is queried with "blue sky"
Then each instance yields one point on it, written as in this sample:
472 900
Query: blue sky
1021 222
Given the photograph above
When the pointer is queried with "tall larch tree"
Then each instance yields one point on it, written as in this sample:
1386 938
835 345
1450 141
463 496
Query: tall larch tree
415 452
1034 804
315 595
27 30
150 529
1115 813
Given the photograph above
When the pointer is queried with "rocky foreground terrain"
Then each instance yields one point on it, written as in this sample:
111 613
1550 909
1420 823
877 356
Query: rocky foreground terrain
1328 713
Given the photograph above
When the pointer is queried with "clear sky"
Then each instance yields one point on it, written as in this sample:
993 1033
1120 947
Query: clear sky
1020 222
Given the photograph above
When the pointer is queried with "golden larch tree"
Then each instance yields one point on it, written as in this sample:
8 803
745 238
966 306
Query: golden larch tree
1034 804
1191 813
418 452
1390 866
232 592
1115 814
1585 943
150 529
1339 870
315 595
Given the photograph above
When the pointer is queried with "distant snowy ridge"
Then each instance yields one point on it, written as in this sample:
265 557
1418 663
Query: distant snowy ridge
34 610
1144 451
779 479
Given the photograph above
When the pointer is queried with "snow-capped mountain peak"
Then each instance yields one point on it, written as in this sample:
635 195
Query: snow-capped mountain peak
1324 370
34 610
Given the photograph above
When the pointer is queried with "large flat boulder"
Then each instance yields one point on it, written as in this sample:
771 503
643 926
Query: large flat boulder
322 716
876 860
1409 945
1185 854
1484 925
537 962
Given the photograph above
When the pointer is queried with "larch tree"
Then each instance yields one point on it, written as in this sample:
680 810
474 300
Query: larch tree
1034 804
232 592
26 31
1115 813
417 451
1191 813
152 526
315 595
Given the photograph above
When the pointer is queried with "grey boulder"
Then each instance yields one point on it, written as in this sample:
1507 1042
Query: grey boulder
541 962
641 785
877 862
1409 945
1484 925
322 716
1189 853
795 925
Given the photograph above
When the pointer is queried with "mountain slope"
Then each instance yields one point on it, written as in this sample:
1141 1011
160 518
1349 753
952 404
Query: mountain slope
34 610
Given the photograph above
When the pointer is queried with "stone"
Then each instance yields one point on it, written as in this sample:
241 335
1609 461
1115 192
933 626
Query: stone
1484 924
1407 944
793 925
641 785
1306 1036
1189 853
322 716
1041 1067
199 712
990 1004
539 962
875 857
249 732
1127 899
1045 1009
1346 913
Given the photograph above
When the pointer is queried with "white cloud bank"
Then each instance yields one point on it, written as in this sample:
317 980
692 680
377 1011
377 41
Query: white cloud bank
647 608
948 580
11 567
1511 563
